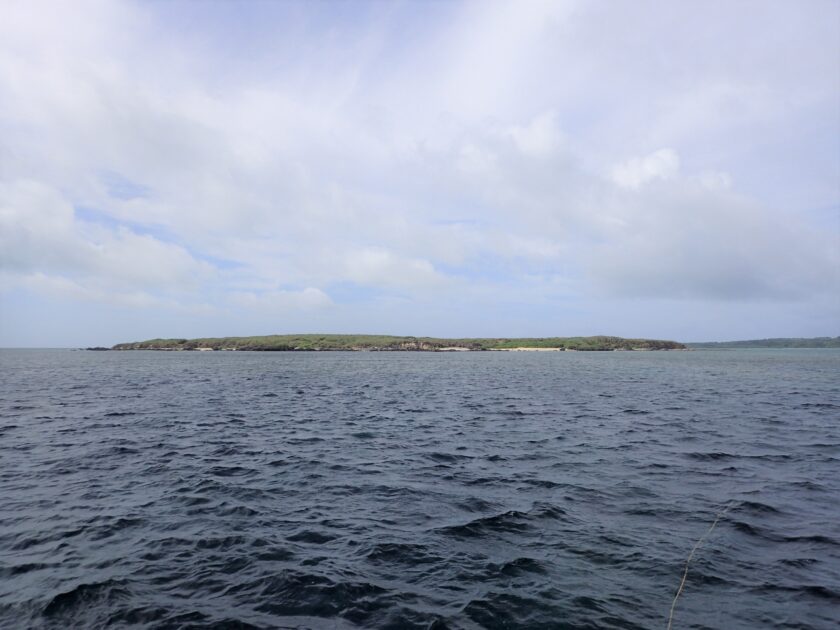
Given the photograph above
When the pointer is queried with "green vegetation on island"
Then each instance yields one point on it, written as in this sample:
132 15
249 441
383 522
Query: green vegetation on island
782 342
391 343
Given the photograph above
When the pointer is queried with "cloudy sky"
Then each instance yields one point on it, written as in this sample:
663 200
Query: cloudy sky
658 169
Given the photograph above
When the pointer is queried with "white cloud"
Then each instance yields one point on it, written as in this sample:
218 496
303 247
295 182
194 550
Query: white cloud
495 142
687 240
473 159
58 286
715 180
280 301
634 173
67 289
380 267
539 138
40 232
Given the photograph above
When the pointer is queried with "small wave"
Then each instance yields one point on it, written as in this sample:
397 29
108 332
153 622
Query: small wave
226 450
823 592
86 595
236 510
517 567
710 456
475 504
311 536
589 603
813 590
297 593
757 507
813 538
401 553
759 532
306 440
751 530
502 610
23 569
484 481
446 458
698 576
799 563
720 456
275 554
220 544
511 521
106 453
547 511
194 501
231 471
405 618
808 485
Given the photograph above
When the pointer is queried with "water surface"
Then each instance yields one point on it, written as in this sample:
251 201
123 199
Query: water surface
419 490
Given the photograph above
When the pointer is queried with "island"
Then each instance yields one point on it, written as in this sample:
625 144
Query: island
317 342
779 342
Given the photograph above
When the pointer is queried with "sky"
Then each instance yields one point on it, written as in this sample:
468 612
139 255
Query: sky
642 169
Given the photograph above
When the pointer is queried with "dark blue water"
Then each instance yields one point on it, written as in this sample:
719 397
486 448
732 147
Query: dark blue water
419 490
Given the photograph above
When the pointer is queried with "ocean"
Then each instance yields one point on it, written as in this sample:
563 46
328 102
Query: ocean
419 490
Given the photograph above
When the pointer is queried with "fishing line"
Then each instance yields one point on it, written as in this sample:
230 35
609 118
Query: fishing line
688 561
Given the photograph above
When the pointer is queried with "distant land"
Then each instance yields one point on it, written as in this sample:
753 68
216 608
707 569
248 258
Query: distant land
781 342
391 343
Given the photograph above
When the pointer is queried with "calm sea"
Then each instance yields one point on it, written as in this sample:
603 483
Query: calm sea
419 490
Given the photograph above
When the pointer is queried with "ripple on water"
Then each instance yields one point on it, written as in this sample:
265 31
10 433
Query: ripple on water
412 490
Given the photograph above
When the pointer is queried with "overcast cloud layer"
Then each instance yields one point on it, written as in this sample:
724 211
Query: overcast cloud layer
521 168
